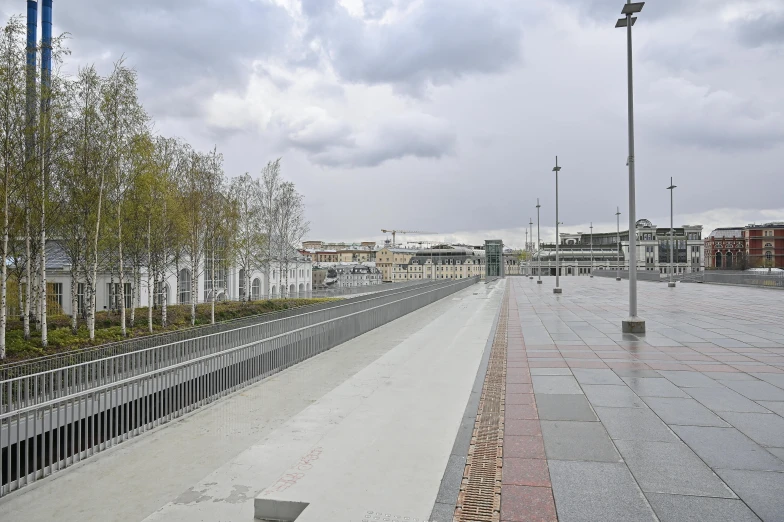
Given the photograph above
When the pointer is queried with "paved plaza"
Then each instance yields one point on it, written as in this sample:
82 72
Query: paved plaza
683 423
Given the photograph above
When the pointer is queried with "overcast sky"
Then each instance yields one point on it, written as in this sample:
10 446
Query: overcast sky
447 115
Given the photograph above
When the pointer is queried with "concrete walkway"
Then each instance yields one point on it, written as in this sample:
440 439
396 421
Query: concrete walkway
362 430
681 424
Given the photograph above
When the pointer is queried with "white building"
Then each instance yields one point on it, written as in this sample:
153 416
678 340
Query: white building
281 281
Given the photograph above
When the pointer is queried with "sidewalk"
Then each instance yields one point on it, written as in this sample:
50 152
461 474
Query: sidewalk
683 423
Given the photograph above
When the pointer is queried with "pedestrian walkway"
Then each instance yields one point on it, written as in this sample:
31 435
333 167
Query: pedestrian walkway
682 423
358 432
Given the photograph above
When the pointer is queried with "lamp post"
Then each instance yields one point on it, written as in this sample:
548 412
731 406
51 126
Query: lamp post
530 247
633 324
557 289
538 245
618 245
527 247
671 283
591 269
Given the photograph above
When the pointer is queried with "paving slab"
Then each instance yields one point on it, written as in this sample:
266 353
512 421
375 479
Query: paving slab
670 467
596 376
683 508
684 412
762 491
727 448
597 491
766 429
556 384
724 399
653 387
638 424
756 390
569 440
571 407
612 396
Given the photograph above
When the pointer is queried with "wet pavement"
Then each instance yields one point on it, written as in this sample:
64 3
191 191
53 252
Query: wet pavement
682 423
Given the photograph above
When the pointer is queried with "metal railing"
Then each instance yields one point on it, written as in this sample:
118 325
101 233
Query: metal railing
40 439
24 390
90 353
746 278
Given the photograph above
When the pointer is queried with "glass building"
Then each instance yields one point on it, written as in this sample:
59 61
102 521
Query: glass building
494 258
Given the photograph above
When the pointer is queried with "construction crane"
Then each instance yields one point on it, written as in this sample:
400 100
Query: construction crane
394 232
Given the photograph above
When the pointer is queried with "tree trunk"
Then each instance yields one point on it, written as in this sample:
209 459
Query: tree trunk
95 261
74 301
212 293
164 302
44 331
4 269
122 273
194 288
28 274
150 289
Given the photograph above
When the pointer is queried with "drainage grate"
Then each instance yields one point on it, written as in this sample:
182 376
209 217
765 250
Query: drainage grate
480 492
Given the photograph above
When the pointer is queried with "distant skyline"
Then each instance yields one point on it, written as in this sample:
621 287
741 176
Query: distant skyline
447 115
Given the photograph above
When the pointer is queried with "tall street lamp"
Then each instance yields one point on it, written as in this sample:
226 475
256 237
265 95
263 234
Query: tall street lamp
530 248
671 283
618 245
527 247
633 324
557 289
591 269
538 245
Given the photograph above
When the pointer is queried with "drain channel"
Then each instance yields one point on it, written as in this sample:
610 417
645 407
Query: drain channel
479 499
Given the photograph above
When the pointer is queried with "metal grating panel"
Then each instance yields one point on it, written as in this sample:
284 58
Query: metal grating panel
479 499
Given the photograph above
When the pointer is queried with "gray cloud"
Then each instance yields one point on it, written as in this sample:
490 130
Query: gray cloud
183 49
417 136
765 30
439 41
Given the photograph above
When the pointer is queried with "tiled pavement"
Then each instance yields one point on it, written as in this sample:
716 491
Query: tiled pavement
684 423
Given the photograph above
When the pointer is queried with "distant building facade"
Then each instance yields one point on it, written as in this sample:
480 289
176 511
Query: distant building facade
442 262
350 276
765 245
725 249
611 251
387 258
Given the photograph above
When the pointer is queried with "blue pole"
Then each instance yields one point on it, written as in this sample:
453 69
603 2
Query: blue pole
32 42
46 43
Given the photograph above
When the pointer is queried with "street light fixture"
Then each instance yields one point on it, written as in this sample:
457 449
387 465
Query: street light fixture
530 247
591 269
618 245
557 289
538 245
633 324
671 283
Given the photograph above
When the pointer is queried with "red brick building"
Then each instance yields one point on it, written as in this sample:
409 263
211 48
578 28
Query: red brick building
725 249
765 245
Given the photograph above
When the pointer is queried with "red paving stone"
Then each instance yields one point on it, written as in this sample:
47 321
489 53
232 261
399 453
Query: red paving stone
519 388
526 472
526 493
527 504
523 447
519 399
521 412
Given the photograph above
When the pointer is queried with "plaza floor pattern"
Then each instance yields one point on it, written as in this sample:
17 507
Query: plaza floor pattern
683 423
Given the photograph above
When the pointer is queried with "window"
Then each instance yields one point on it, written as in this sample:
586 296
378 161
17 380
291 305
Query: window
185 286
80 302
769 256
242 282
54 298
113 296
255 289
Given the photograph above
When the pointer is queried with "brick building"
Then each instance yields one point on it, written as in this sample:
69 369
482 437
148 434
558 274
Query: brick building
765 244
725 249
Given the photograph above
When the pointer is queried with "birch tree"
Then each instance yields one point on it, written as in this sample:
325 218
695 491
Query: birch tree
246 196
194 198
124 118
270 190
12 132
291 226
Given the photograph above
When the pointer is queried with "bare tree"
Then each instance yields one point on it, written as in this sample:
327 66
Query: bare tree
245 195
291 226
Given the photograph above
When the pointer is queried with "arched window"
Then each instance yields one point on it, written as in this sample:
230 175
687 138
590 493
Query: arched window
273 291
255 289
768 245
729 260
242 282
769 256
718 259
185 286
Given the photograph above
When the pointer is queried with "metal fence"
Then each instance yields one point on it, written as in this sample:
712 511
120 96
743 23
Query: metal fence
32 388
91 353
738 277
40 438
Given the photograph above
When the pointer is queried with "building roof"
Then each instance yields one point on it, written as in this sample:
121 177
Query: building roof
721 233
773 224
